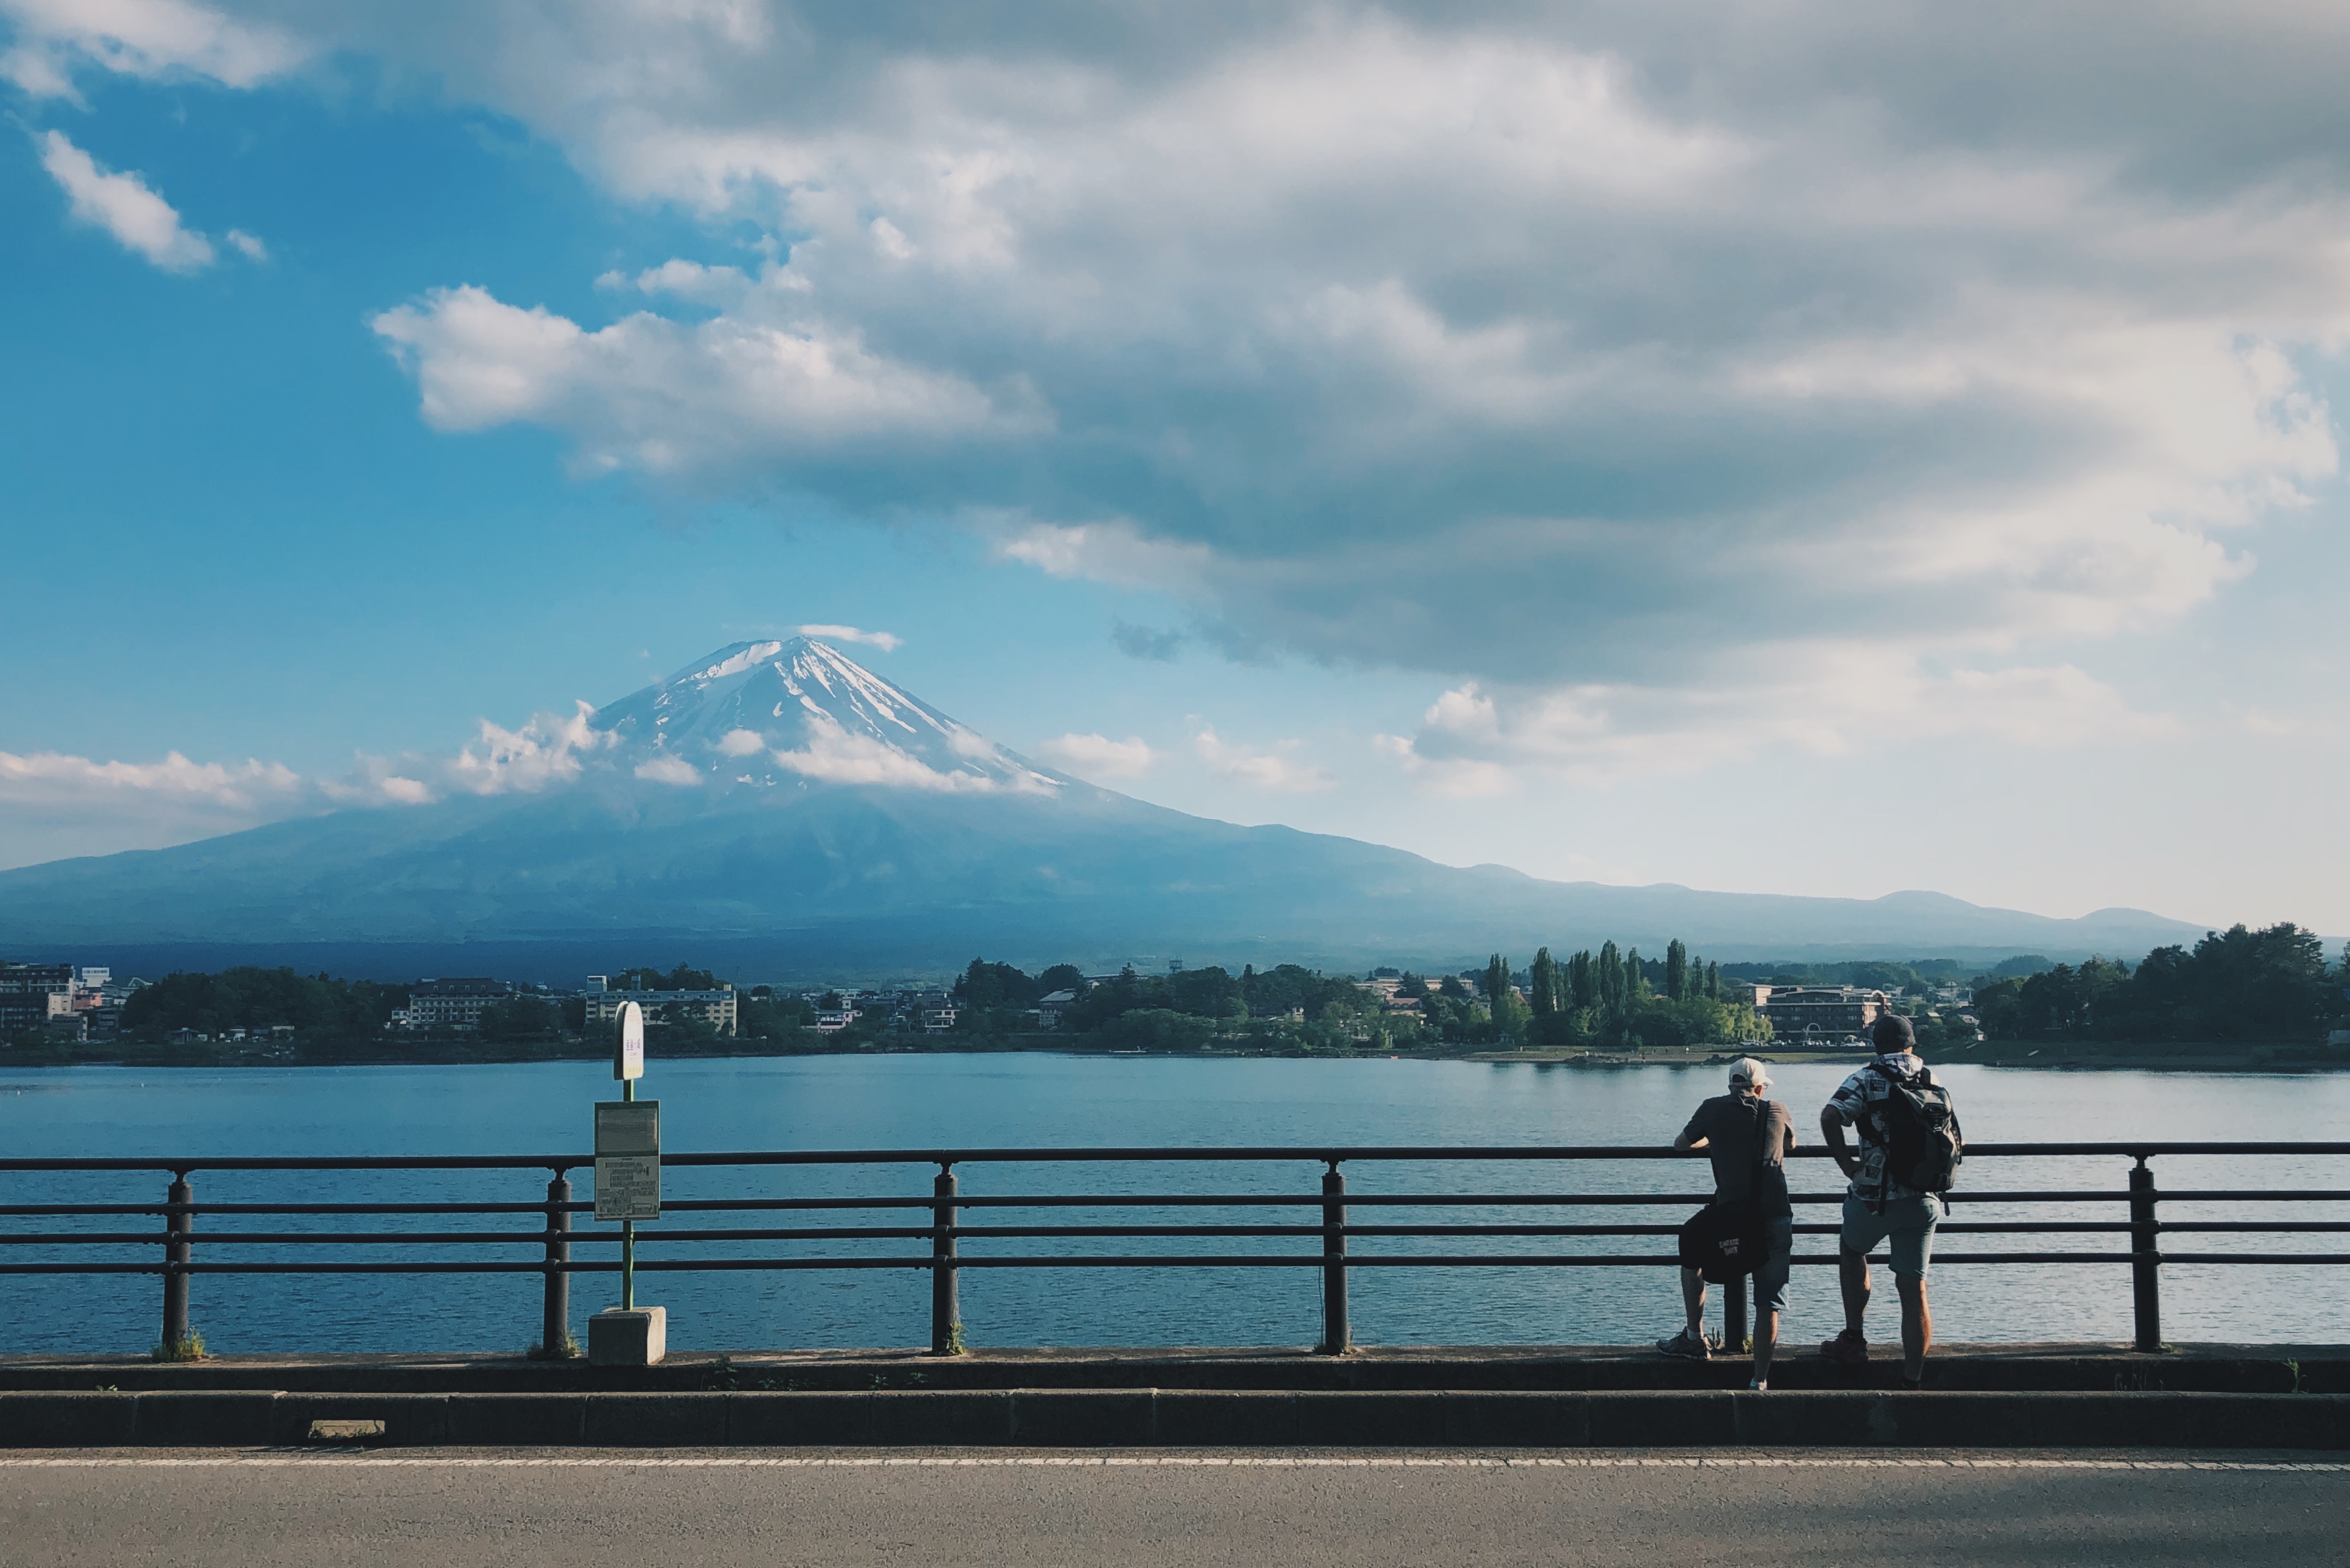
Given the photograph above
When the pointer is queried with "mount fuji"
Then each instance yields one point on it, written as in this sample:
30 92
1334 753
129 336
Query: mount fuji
779 810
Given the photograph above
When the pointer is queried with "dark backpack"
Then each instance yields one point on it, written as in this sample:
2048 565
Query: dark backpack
1923 1145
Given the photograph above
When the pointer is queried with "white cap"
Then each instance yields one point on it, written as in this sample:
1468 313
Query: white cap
1746 1073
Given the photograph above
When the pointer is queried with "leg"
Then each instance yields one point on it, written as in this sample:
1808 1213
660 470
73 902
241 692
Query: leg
1913 1251
1771 1296
1852 1273
1693 1300
1917 1326
1766 1340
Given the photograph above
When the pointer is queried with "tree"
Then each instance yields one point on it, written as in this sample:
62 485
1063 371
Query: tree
677 979
519 1018
992 987
1060 977
1157 1028
1677 981
1713 980
1612 991
1582 982
1542 985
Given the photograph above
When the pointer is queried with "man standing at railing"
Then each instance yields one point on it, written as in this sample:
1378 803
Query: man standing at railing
1747 1137
1878 1206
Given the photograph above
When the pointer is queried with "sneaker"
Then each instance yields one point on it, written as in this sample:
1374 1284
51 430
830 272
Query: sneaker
1847 1349
1758 1386
1692 1346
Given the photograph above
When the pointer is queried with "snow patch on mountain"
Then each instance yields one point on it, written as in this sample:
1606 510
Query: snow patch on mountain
764 713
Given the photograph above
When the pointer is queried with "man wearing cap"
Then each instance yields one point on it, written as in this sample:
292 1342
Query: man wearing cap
1878 1209
1748 1137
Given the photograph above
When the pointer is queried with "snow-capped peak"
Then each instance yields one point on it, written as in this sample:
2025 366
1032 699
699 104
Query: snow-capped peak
787 711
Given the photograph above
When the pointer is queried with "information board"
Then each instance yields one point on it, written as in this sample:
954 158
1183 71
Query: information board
628 1159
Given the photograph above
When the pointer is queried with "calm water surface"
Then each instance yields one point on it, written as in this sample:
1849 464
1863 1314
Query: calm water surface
928 1101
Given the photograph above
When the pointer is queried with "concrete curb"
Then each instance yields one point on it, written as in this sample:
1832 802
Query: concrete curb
2279 1369
1124 1418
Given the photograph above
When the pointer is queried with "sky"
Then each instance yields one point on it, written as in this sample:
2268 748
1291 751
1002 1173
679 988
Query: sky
1770 447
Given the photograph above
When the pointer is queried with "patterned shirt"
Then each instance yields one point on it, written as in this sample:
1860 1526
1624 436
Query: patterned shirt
1861 1099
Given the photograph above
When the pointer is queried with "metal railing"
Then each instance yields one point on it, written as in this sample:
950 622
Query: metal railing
1327 1233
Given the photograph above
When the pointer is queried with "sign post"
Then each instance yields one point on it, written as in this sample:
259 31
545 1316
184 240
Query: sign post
628 1188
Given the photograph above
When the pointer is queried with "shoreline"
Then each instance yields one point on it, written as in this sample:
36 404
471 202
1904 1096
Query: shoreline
2044 1056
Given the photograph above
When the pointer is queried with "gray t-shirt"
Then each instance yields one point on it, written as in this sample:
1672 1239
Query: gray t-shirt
1731 1123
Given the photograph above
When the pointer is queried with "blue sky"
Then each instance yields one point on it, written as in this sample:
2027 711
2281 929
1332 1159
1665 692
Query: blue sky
1566 438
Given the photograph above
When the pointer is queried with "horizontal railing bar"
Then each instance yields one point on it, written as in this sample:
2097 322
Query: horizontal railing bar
2252 1227
1363 1153
2249 1195
985 1232
31 1210
1102 1200
1245 1260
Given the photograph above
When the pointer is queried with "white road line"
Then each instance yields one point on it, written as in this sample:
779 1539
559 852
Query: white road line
275 1460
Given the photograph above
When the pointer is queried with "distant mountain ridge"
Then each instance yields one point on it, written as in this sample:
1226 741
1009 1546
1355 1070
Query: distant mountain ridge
780 803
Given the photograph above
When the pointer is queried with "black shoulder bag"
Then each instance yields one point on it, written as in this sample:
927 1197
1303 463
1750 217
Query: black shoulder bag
1728 1240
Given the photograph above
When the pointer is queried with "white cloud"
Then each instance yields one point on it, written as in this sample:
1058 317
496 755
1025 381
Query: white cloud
53 805
669 770
887 642
157 39
1097 757
742 743
49 778
648 392
124 207
1614 358
248 246
546 750
687 280
1260 769
1836 702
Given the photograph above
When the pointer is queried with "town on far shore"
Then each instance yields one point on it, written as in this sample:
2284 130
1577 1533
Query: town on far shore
2241 992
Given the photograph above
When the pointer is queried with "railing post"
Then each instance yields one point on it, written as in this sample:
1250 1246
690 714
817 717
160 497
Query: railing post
177 1223
1337 1337
555 1330
2146 1278
946 1310
1733 1317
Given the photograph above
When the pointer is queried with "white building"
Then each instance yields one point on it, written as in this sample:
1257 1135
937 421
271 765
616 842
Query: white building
716 1008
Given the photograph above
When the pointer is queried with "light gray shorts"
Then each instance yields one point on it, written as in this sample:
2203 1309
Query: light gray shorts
1906 1223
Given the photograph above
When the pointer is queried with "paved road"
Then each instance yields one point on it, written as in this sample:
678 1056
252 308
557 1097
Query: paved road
583 1508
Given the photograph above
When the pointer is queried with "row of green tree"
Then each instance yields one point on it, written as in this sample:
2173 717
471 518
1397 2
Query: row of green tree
1288 1006
1616 999
1915 975
1610 999
323 1007
255 999
2272 984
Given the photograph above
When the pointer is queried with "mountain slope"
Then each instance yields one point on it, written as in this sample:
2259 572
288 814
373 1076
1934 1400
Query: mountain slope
780 801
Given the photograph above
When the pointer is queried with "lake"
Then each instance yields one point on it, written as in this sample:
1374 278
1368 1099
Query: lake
1034 1099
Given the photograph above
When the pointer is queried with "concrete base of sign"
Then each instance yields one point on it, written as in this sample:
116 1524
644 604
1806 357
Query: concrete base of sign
638 1338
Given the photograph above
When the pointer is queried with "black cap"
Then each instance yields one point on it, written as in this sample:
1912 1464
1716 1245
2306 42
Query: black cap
1892 1033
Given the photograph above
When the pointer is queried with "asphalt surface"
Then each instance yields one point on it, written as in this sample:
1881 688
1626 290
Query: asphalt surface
586 1508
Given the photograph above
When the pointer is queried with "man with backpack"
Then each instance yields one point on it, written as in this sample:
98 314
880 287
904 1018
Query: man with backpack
1909 1151
1748 1137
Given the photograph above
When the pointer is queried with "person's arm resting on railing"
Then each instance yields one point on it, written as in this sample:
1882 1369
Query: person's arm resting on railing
1692 1141
1833 1118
